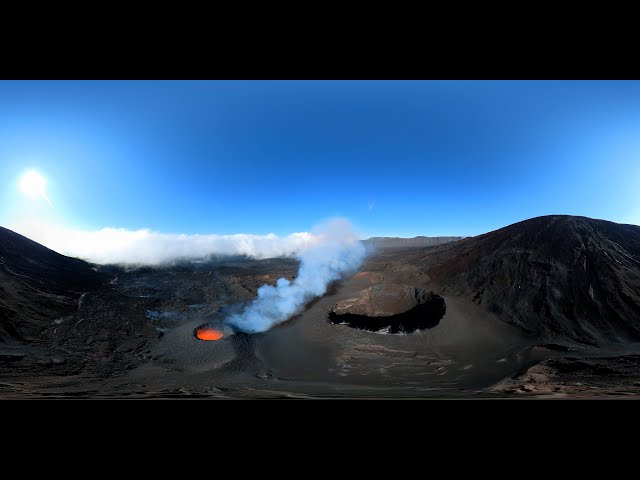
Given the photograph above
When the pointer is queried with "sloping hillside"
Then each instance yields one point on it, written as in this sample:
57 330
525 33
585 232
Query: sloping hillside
555 275
37 286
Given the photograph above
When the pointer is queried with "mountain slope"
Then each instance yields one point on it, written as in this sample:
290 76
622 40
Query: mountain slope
556 275
37 286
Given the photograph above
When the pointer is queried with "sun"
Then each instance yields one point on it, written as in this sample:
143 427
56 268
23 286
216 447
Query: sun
34 185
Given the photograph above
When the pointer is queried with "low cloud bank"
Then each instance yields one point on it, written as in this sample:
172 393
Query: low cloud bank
146 247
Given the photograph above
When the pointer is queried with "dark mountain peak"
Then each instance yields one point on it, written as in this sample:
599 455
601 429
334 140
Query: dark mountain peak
576 224
564 275
559 236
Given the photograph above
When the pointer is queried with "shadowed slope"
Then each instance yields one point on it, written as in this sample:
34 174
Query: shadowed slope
37 285
555 275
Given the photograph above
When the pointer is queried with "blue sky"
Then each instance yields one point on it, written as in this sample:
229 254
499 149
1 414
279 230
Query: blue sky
396 158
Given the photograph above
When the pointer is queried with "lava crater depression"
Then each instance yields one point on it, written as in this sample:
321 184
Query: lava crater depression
390 308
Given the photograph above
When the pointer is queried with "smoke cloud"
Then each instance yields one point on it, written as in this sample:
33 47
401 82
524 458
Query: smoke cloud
337 251
145 247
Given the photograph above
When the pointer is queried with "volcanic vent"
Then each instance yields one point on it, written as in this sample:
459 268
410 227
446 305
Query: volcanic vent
208 333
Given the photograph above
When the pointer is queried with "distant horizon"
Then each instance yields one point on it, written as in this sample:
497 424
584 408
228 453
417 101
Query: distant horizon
366 237
145 247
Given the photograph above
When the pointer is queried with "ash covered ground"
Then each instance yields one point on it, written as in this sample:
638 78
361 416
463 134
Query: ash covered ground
549 307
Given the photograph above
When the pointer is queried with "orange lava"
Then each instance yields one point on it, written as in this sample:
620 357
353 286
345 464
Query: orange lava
208 333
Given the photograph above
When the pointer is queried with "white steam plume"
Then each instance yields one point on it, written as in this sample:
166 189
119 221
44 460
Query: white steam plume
144 247
337 252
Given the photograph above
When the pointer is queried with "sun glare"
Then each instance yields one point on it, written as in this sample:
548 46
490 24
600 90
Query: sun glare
34 185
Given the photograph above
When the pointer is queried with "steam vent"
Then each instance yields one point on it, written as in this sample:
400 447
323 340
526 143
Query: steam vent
390 307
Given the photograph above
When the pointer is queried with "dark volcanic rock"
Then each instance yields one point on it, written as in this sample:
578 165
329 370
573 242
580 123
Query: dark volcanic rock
393 306
11 354
611 376
61 316
37 286
555 276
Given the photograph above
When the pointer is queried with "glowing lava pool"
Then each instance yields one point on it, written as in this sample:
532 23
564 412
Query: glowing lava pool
206 332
